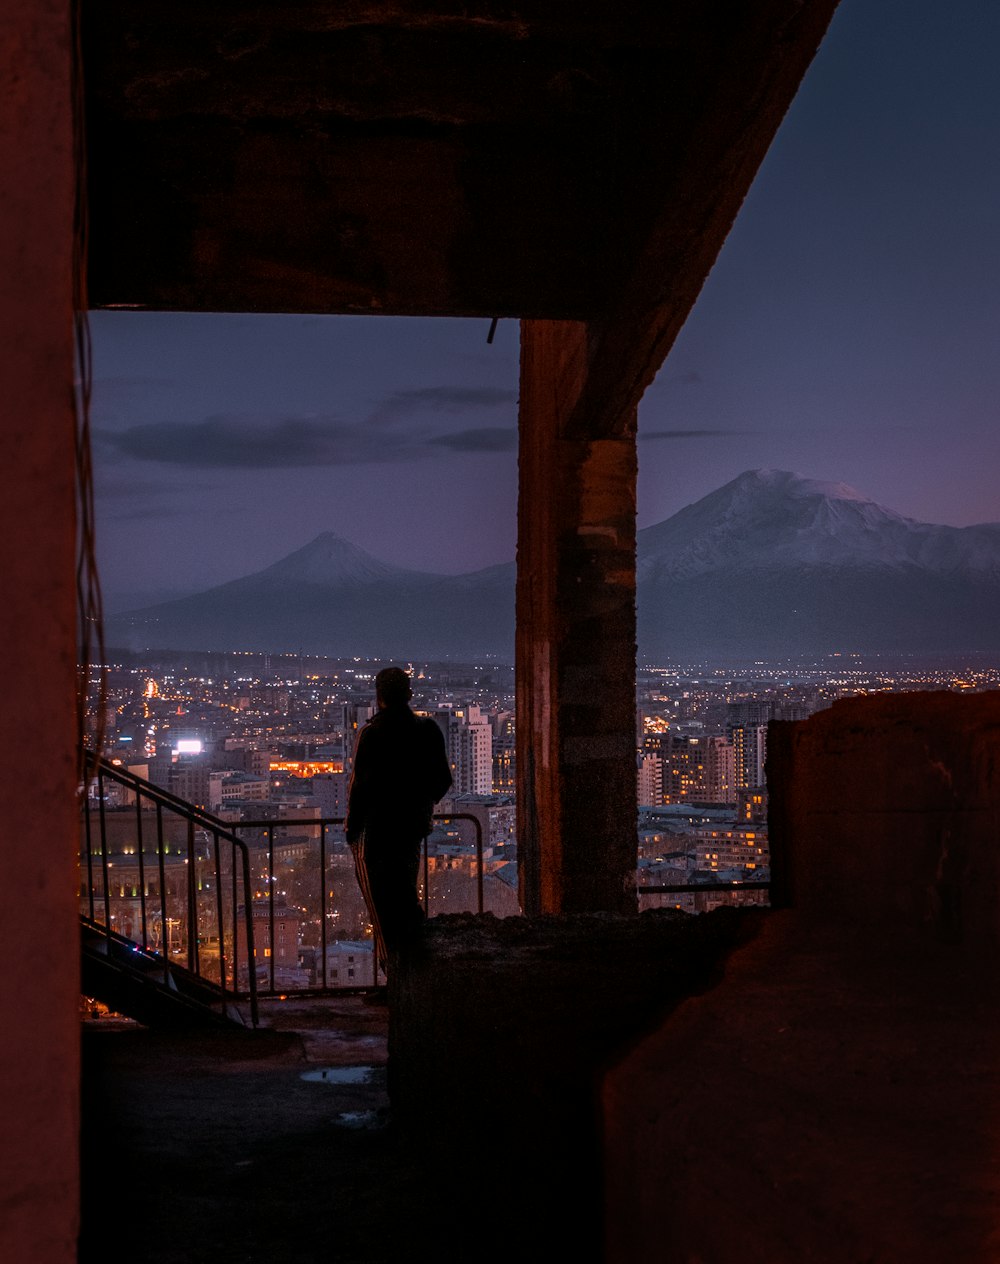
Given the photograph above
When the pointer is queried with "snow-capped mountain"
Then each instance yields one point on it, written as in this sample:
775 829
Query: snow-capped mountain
767 519
774 564
771 564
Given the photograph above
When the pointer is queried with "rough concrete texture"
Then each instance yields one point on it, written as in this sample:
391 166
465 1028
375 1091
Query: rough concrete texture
430 158
500 1030
38 923
886 816
834 1098
826 1103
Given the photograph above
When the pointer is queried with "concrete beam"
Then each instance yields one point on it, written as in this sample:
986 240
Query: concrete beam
575 642
692 193
424 159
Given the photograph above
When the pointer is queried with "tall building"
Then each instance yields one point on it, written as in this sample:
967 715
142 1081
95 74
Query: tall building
751 806
329 789
690 769
650 780
720 770
676 755
749 712
504 753
750 749
353 718
190 779
469 743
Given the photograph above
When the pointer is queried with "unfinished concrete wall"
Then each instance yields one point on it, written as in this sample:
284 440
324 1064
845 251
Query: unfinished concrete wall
38 1047
885 817
834 1098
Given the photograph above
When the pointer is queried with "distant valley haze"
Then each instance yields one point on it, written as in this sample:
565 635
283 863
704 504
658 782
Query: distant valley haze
770 565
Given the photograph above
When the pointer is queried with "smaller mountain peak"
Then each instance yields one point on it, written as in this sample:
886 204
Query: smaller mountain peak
330 559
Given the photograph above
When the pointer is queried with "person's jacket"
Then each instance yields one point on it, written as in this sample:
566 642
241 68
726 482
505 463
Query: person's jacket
400 771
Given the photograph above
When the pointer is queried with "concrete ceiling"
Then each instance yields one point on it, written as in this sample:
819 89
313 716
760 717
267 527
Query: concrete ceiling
570 159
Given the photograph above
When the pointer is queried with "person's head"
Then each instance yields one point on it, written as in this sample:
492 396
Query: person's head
392 687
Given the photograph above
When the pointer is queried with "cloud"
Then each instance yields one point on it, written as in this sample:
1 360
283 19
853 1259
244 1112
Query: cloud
485 439
234 441
231 441
692 434
401 427
440 399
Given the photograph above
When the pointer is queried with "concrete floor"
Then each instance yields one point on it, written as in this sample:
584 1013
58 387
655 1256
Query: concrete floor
235 1147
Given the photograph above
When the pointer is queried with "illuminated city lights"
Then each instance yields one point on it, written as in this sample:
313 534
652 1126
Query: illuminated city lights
269 740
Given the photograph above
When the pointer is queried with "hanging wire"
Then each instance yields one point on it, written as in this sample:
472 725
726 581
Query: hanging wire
90 612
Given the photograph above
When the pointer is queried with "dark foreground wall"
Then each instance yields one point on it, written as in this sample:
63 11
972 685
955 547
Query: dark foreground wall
886 810
39 928
834 1098
499 1033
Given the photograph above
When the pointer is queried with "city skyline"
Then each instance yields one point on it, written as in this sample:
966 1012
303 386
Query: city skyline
847 325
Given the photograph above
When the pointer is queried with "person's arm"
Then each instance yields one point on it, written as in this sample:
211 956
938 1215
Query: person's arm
356 799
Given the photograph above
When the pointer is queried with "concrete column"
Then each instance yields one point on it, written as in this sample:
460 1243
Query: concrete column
39 1061
575 645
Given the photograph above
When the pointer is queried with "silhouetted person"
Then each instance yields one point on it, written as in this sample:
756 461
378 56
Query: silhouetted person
400 771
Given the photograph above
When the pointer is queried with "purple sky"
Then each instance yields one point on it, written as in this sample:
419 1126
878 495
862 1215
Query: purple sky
849 332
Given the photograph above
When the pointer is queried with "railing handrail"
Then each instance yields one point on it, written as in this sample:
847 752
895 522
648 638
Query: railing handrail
230 831
322 823
98 766
131 780
681 888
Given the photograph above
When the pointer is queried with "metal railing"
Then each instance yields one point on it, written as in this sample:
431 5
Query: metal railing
191 889
182 890
317 898
695 890
174 861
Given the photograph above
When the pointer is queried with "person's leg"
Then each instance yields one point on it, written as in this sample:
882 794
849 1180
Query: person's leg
362 871
392 866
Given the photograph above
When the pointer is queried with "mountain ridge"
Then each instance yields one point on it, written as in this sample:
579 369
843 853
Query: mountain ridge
764 517
770 563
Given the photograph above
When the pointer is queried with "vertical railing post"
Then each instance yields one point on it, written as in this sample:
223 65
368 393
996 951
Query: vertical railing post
218 912
236 929
192 945
164 915
270 900
140 847
322 902
248 913
105 863
88 833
